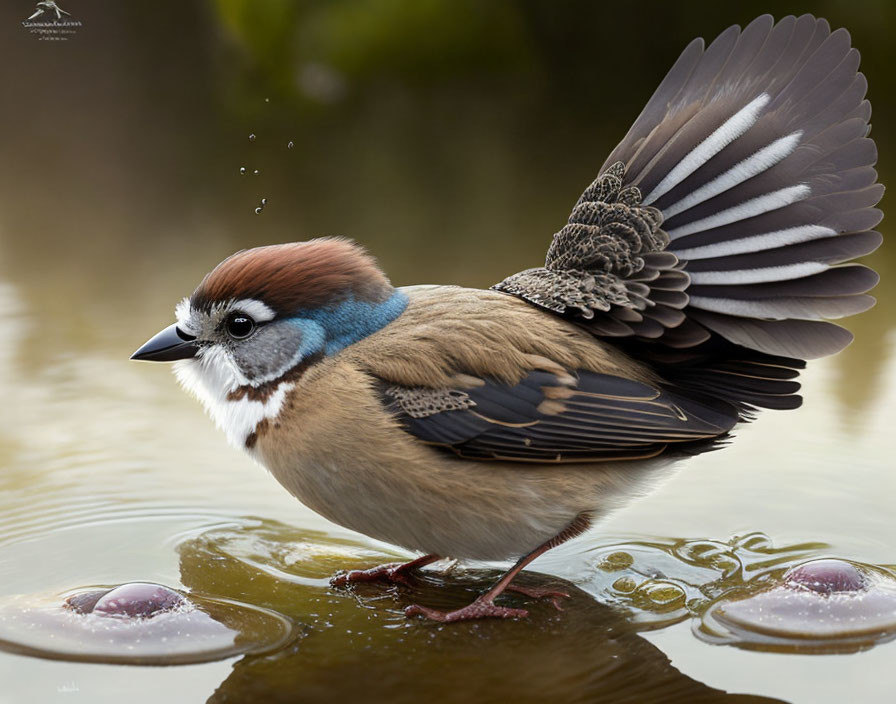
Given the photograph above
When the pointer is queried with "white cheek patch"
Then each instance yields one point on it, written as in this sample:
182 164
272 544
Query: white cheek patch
184 315
211 378
257 310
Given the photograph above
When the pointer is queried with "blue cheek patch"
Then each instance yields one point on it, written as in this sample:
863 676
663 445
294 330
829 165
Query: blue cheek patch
313 336
334 329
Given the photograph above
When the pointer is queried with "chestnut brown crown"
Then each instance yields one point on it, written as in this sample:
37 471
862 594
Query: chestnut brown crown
295 276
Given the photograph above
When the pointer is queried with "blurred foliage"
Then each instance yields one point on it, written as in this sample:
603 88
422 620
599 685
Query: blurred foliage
582 52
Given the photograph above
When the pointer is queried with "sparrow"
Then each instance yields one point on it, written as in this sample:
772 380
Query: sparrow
691 283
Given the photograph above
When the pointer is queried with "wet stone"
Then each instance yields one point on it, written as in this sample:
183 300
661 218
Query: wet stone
823 606
138 600
138 623
826 577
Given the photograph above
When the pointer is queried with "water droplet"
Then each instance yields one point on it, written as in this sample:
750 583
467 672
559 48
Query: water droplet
252 137
290 144
242 170
663 594
625 585
616 561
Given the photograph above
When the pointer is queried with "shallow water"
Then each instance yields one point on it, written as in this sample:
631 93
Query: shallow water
121 187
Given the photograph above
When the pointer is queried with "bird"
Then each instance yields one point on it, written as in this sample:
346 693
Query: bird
694 278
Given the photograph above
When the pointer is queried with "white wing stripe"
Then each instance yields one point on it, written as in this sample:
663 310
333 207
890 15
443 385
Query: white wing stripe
756 243
763 159
756 206
757 276
730 130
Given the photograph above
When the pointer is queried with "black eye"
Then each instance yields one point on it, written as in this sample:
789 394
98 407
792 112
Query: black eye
239 325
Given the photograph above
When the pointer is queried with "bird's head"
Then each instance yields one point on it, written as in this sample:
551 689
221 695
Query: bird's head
264 313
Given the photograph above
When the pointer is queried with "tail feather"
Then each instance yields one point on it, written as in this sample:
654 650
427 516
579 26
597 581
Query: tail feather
726 217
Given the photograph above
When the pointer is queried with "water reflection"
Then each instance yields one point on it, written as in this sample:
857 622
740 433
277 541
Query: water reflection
359 644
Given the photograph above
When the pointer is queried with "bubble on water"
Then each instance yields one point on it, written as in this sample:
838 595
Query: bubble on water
290 144
827 606
626 585
255 172
264 201
242 170
267 100
665 580
259 210
662 595
252 137
138 623
616 561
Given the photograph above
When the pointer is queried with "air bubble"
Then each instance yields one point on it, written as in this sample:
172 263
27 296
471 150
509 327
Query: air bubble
252 137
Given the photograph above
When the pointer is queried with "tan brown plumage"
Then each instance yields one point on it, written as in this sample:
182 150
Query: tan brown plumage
449 330
693 278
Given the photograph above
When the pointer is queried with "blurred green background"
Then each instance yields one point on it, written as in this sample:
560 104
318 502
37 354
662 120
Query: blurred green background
449 136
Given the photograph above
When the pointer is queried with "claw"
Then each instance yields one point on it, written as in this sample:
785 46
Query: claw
382 573
392 573
555 595
481 608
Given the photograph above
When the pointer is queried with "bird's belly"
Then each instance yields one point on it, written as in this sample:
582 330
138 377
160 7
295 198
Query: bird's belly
456 508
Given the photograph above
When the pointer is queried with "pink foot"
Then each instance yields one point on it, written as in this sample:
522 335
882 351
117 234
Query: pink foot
538 593
481 608
394 573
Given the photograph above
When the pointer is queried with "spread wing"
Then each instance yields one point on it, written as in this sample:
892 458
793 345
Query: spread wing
548 418
733 205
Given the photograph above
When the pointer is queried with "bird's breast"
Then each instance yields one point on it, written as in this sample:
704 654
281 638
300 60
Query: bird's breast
241 413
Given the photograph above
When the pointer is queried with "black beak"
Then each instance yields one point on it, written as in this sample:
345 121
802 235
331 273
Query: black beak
169 345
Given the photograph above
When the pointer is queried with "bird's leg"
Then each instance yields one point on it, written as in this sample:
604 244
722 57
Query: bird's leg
396 572
485 607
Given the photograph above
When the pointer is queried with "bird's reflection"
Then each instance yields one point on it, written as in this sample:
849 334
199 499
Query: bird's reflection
358 644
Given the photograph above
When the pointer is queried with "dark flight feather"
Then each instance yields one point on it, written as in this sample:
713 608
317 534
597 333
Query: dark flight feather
726 217
598 417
